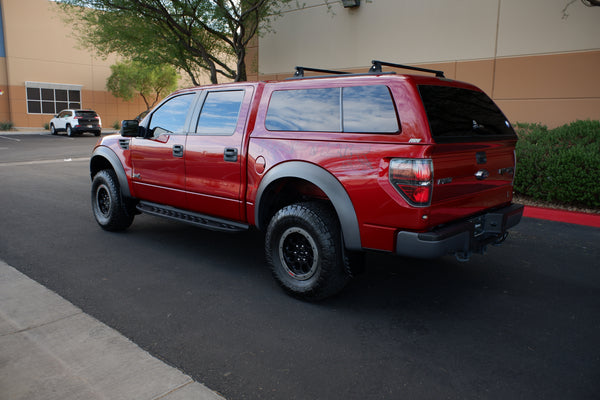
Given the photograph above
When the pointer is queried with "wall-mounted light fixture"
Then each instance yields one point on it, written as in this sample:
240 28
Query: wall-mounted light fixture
351 3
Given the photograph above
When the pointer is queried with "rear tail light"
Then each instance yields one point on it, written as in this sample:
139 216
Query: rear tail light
413 179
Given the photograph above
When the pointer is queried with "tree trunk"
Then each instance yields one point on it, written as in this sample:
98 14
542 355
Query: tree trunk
241 75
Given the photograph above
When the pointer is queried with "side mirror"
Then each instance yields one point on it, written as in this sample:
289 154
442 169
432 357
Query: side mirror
130 128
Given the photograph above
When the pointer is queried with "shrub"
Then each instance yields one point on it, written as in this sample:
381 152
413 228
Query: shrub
116 125
6 126
47 126
560 165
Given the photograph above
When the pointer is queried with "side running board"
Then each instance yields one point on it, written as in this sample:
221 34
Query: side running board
204 221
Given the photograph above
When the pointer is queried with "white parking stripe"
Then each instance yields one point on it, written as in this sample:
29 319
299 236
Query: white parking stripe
11 164
10 138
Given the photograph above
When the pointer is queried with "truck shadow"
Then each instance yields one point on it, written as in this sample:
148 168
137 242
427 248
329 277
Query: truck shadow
389 281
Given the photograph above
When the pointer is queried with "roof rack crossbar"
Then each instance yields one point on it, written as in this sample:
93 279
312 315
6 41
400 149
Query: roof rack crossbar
300 71
376 68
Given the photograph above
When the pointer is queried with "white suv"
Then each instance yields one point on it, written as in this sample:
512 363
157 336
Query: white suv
76 122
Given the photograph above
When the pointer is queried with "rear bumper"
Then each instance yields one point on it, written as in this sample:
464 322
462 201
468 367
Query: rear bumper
461 238
85 128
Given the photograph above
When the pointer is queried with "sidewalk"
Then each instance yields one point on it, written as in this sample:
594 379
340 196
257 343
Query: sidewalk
50 349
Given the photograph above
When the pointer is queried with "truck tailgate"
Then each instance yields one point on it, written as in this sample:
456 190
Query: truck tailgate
473 152
470 178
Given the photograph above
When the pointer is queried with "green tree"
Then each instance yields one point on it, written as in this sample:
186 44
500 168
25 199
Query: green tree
191 35
151 82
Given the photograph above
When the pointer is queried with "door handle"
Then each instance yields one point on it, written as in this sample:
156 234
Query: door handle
178 150
482 174
230 154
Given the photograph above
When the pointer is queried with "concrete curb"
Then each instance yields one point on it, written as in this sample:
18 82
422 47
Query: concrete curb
570 217
51 349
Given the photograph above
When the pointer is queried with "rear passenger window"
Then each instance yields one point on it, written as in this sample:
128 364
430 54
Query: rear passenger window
355 109
369 109
219 115
306 110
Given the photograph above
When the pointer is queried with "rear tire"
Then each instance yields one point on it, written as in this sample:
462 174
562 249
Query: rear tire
111 211
303 247
69 131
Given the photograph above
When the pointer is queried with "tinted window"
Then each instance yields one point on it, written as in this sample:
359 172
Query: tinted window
48 107
51 98
34 107
307 110
220 112
171 116
62 99
74 98
457 114
86 114
74 95
368 109
33 94
61 95
48 94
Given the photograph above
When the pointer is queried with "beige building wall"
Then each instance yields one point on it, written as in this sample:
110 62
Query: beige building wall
537 58
4 103
40 47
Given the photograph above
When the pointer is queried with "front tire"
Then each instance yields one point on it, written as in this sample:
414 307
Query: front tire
303 247
52 129
110 209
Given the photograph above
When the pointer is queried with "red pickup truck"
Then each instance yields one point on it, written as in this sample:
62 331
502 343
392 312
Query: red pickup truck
328 166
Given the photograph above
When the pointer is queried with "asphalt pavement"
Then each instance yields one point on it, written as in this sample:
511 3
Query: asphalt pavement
51 349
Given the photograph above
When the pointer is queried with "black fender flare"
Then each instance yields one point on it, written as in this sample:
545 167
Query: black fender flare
115 162
325 181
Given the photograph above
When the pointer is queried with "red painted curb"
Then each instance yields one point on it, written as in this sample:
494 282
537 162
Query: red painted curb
570 217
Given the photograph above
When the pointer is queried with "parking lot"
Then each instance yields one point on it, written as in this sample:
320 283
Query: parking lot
521 322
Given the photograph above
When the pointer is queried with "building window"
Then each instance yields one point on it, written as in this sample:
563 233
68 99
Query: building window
51 98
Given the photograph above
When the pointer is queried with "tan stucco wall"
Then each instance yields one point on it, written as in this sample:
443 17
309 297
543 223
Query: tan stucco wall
40 47
537 62
4 103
